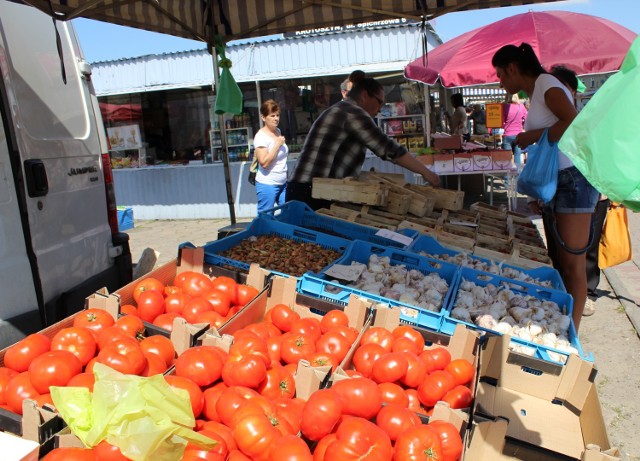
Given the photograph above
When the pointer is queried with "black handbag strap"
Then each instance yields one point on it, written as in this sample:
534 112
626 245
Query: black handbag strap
562 243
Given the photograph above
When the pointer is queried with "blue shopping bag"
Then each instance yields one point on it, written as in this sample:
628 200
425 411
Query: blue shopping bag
539 178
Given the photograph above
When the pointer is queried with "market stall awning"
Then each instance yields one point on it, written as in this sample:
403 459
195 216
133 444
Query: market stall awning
254 18
583 43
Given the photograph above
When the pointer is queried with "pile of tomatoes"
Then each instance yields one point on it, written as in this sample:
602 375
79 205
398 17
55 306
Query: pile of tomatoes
245 398
193 296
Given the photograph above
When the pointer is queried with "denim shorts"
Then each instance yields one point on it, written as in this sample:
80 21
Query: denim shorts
575 194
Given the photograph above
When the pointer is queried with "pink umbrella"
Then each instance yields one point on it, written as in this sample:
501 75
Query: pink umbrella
586 44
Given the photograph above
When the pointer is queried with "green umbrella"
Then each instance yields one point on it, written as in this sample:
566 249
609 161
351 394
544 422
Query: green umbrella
228 94
602 140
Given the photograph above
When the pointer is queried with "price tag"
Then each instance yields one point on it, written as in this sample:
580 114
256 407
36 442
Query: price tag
348 273
396 237
494 116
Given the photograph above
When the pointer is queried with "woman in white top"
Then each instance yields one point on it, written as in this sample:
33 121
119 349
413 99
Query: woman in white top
271 152
551 107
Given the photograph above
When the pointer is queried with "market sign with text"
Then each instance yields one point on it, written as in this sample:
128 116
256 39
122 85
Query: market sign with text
352 27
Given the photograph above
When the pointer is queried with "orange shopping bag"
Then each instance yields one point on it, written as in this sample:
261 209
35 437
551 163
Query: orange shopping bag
615 243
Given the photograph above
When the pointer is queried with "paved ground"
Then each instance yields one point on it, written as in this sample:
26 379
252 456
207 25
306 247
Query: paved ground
611 334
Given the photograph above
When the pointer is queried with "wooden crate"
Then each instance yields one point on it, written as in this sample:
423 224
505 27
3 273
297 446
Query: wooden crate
523 258
350 190
497 212
419 204
444 198
424 229
398 202
497 251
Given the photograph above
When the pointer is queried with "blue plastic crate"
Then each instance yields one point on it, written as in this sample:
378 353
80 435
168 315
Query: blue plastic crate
431 246
262 226
361 251
563 300
125 219
300 214
337 293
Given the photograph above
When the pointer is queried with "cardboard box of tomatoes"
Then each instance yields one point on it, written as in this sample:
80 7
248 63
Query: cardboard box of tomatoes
553 411
282 290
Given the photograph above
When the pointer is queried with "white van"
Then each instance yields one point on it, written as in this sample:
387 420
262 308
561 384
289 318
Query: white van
59 238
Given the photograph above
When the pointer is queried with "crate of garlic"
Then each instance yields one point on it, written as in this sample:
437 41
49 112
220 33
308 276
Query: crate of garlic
537 319
421 287
547 277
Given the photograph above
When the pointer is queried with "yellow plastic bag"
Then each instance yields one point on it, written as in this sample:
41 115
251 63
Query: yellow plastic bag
144 417
615 243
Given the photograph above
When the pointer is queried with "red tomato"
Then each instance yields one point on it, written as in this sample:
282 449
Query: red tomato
219 451
196 397
237 455
211 396
389 368
360 397
332 319
83 380
414 401
334 343
378 335
147 284
321 413
462 371
393 393
273 348
279 383
124 355
211 318
54 368
357 438
160 345
245 293
196 307
406 331
290 448
365 356
291 410
296 346
418 443
104 451
323 359
220 300
19 388
79 341
307 326
193 283
226 285
449 438
246 370
395 419
165 321
150 305
5 375
436 358
283 317
201 364
221 430
19 356
176 302
231 399
130 325
459 397
416 370
128 309
93 319
154 366
255 434
348 332
70 454
434 387
320 449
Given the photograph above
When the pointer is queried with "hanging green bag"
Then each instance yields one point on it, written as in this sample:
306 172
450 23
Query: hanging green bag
602 141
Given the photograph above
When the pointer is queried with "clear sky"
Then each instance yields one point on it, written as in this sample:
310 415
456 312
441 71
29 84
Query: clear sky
101 41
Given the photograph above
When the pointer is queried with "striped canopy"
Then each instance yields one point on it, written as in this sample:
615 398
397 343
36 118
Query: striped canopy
235 19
